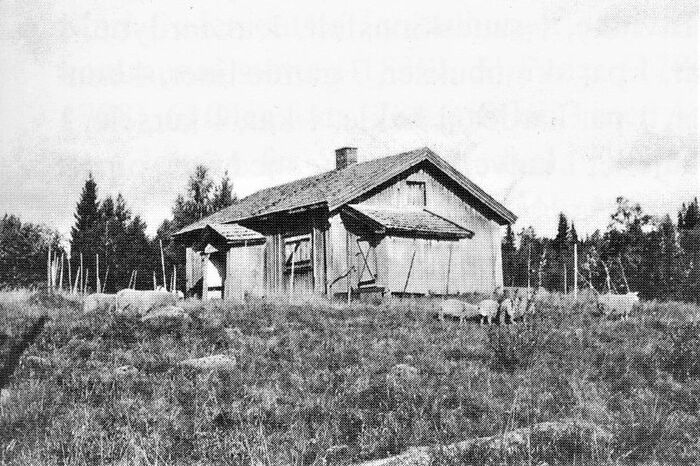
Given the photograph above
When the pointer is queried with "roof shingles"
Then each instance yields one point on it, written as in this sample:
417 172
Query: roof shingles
235 232
336 188
416 220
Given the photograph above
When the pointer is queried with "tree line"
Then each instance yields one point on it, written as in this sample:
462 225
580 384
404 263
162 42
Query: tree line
107 228
658 257
655 256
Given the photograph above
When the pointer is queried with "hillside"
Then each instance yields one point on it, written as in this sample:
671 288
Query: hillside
315 383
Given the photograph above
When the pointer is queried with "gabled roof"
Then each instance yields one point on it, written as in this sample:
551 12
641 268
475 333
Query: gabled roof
415 220
336 188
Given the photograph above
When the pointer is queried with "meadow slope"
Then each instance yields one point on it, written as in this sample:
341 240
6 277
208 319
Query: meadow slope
317 383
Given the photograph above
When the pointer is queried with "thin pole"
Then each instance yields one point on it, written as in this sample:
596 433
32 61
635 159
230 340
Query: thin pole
162 263
449 266
565 277
77 280
174 287
82 274
529 253
48 269
575 270
104 283
136 272
60 279
347 262
543 261
70 279
87 281
97 273
624 276
154 280
291 278
54 270
410 267
607 276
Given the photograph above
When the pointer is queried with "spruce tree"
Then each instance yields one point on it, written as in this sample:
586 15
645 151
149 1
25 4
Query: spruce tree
85 235
689 239
508 252
692 215
560 243
141 256
115 246
573 236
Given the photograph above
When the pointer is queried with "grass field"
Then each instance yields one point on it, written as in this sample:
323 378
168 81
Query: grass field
317 383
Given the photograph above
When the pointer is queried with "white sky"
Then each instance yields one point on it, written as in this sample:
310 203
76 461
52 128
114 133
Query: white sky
550 106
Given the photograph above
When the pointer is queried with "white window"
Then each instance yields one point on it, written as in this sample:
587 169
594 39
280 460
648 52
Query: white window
415 193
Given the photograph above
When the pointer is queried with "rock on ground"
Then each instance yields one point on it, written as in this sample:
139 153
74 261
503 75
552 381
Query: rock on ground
125 371
141 302
37 362
166 316
233 334
510 441
4 396
217 362
118 373
403 374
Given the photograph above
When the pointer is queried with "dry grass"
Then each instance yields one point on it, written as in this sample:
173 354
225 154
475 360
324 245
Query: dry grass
311 385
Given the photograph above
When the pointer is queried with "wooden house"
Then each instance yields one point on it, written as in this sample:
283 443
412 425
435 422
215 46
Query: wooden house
405 224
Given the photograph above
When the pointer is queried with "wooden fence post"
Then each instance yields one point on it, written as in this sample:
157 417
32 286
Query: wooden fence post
48 270
70 278
162 265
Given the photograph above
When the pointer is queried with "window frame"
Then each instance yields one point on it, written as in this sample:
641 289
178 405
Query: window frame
410 183
296 242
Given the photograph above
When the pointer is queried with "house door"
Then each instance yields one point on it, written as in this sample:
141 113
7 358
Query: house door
215 275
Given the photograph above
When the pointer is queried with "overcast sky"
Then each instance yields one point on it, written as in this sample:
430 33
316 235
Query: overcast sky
549 106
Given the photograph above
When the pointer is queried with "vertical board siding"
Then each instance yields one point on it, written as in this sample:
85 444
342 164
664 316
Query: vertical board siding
476 262
336 254
383 265
274 263
428 275
318 244
193 267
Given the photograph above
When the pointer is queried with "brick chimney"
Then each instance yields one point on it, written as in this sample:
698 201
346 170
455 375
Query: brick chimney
345 156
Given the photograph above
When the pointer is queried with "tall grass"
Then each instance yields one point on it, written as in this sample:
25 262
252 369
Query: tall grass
317 383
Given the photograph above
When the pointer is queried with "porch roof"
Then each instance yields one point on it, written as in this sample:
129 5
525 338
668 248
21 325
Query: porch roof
233 232
421 222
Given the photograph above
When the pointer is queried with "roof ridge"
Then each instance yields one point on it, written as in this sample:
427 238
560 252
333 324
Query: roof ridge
337 187
214 217
389 208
